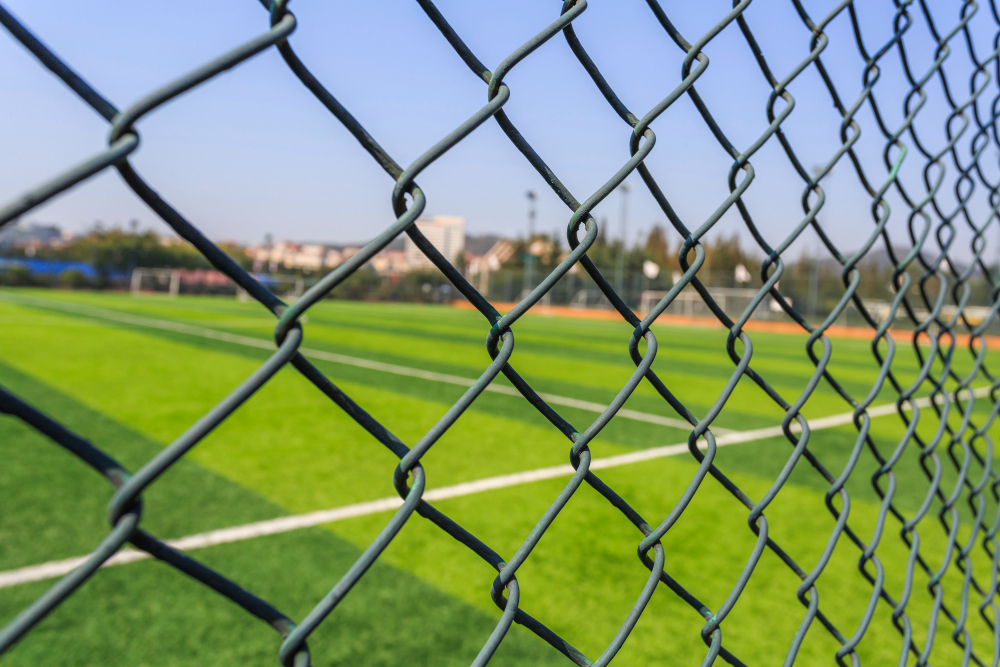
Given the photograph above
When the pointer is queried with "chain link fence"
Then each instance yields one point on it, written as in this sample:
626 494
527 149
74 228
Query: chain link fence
929 293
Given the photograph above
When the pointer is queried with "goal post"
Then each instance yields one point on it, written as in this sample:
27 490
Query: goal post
154 278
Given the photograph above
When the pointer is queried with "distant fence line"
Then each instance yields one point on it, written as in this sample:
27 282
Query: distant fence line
813 297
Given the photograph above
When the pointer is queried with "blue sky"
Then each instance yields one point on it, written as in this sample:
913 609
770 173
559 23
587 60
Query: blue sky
252 152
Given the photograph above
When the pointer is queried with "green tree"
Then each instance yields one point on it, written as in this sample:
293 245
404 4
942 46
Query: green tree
658 250
117 250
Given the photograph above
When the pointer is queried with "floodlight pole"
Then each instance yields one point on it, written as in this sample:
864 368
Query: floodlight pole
620 265
529 259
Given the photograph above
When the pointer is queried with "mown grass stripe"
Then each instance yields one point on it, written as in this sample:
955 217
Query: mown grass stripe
285 524
204 332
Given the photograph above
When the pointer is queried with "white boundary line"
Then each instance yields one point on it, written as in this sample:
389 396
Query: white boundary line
249 341
285 524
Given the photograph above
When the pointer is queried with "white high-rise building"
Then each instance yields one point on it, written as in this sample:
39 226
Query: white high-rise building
445 232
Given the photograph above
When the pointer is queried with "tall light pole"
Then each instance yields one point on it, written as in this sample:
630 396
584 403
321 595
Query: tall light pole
620 266
529 259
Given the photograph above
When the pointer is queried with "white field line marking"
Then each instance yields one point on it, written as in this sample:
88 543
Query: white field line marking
190 329
58 568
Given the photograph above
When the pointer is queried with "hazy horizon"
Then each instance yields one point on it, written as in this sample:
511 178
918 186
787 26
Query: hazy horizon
252 153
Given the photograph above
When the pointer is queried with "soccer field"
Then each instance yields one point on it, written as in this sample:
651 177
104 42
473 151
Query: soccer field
132 373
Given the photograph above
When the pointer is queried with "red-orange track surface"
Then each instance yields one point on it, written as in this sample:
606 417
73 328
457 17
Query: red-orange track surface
836 331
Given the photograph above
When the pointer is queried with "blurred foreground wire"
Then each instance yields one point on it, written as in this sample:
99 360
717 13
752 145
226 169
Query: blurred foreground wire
929 289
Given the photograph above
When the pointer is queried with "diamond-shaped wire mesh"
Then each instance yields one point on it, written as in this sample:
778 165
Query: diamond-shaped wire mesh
929 291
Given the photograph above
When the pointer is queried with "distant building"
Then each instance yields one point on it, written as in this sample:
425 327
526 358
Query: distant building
389 262
333 257
446 233
494 258
30 234
480 244
310 256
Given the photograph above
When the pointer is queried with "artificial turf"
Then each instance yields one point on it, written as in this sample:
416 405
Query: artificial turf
133 389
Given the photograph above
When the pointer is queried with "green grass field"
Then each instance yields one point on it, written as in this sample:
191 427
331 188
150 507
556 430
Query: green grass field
132 389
